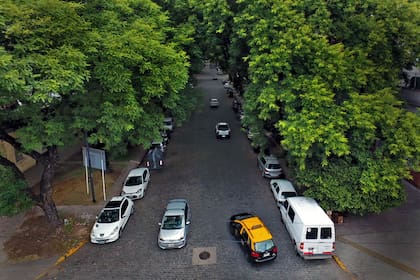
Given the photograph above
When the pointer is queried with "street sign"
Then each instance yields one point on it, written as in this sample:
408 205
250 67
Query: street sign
96 158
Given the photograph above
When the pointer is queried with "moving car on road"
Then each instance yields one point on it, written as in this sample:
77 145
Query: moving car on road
214 102
174 226
222 130
136 183
254 237
112 220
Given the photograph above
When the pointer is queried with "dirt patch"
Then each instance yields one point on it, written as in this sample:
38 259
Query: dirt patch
34 239
70 188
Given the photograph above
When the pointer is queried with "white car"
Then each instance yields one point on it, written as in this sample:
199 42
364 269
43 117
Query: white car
214 102
136 183
168 124
282 189
222 130
112 220
174 226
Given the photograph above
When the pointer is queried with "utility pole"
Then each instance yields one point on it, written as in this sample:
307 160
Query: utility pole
92 189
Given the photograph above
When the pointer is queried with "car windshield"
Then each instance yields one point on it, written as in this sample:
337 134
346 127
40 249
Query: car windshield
223 127
109 216
264 245
289 194
167 122
172 222
133 181
274 166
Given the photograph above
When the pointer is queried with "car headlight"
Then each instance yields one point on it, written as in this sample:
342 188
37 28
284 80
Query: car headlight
123 193
140 190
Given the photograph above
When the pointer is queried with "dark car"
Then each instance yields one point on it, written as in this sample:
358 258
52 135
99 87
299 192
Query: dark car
155 158
254 237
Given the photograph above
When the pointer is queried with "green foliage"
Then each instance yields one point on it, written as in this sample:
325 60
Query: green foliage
13 199
325 74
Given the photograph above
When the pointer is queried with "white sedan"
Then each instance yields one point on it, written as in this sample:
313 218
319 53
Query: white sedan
136 183
282 189
112 220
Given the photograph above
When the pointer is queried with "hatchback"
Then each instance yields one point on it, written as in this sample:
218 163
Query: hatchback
174 225
269 166
112 220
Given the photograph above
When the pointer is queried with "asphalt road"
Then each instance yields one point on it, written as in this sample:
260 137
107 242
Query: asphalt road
219 178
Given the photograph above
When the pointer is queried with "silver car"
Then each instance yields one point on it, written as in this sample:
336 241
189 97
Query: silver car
174 226
270 166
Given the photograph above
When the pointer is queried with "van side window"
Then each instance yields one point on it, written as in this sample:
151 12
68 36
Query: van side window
311 233
326 233
285 204
291 214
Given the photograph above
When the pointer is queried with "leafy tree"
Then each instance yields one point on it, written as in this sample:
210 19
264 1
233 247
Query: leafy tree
43 67
328 73
13 196
137 74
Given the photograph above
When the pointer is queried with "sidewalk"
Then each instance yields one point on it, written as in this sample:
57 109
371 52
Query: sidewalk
8 225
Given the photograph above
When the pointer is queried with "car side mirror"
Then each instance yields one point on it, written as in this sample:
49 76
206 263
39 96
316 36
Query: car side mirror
188 222
159 224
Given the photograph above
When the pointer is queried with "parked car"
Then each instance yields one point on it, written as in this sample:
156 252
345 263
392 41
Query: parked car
311 230
174 225
165 137
155 158
236 104
136 183
111 220
282 189
159 144
270 166
254 237
222 130
214 102
168 124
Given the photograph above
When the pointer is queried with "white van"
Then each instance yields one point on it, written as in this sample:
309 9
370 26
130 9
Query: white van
311 230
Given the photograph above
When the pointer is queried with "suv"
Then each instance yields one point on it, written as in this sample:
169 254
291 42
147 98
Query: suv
174 226
222 130
270 166
254 236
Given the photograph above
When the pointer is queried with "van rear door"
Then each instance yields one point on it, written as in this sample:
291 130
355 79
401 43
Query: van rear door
319 242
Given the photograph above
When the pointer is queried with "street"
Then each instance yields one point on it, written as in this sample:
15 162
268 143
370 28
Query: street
219 178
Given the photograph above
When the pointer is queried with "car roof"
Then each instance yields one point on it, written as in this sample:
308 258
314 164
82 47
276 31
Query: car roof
178 204
136 172
284 184
309 211
114 202
271 158
223 123
257 229
167 119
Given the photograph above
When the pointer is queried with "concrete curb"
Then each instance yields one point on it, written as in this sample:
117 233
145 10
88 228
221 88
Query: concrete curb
61 259
343 266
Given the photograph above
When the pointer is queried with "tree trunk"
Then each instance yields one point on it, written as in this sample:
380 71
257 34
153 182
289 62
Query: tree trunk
49 160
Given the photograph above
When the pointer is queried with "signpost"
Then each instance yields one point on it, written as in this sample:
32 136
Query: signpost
94 158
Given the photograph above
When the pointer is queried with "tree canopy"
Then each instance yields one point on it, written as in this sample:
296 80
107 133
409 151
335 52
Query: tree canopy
326 75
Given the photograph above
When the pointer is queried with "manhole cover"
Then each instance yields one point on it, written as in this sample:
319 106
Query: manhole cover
204 255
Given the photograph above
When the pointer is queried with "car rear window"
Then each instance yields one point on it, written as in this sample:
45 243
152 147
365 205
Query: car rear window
223 127
326 233
288 194
264 245
311 233
274 166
